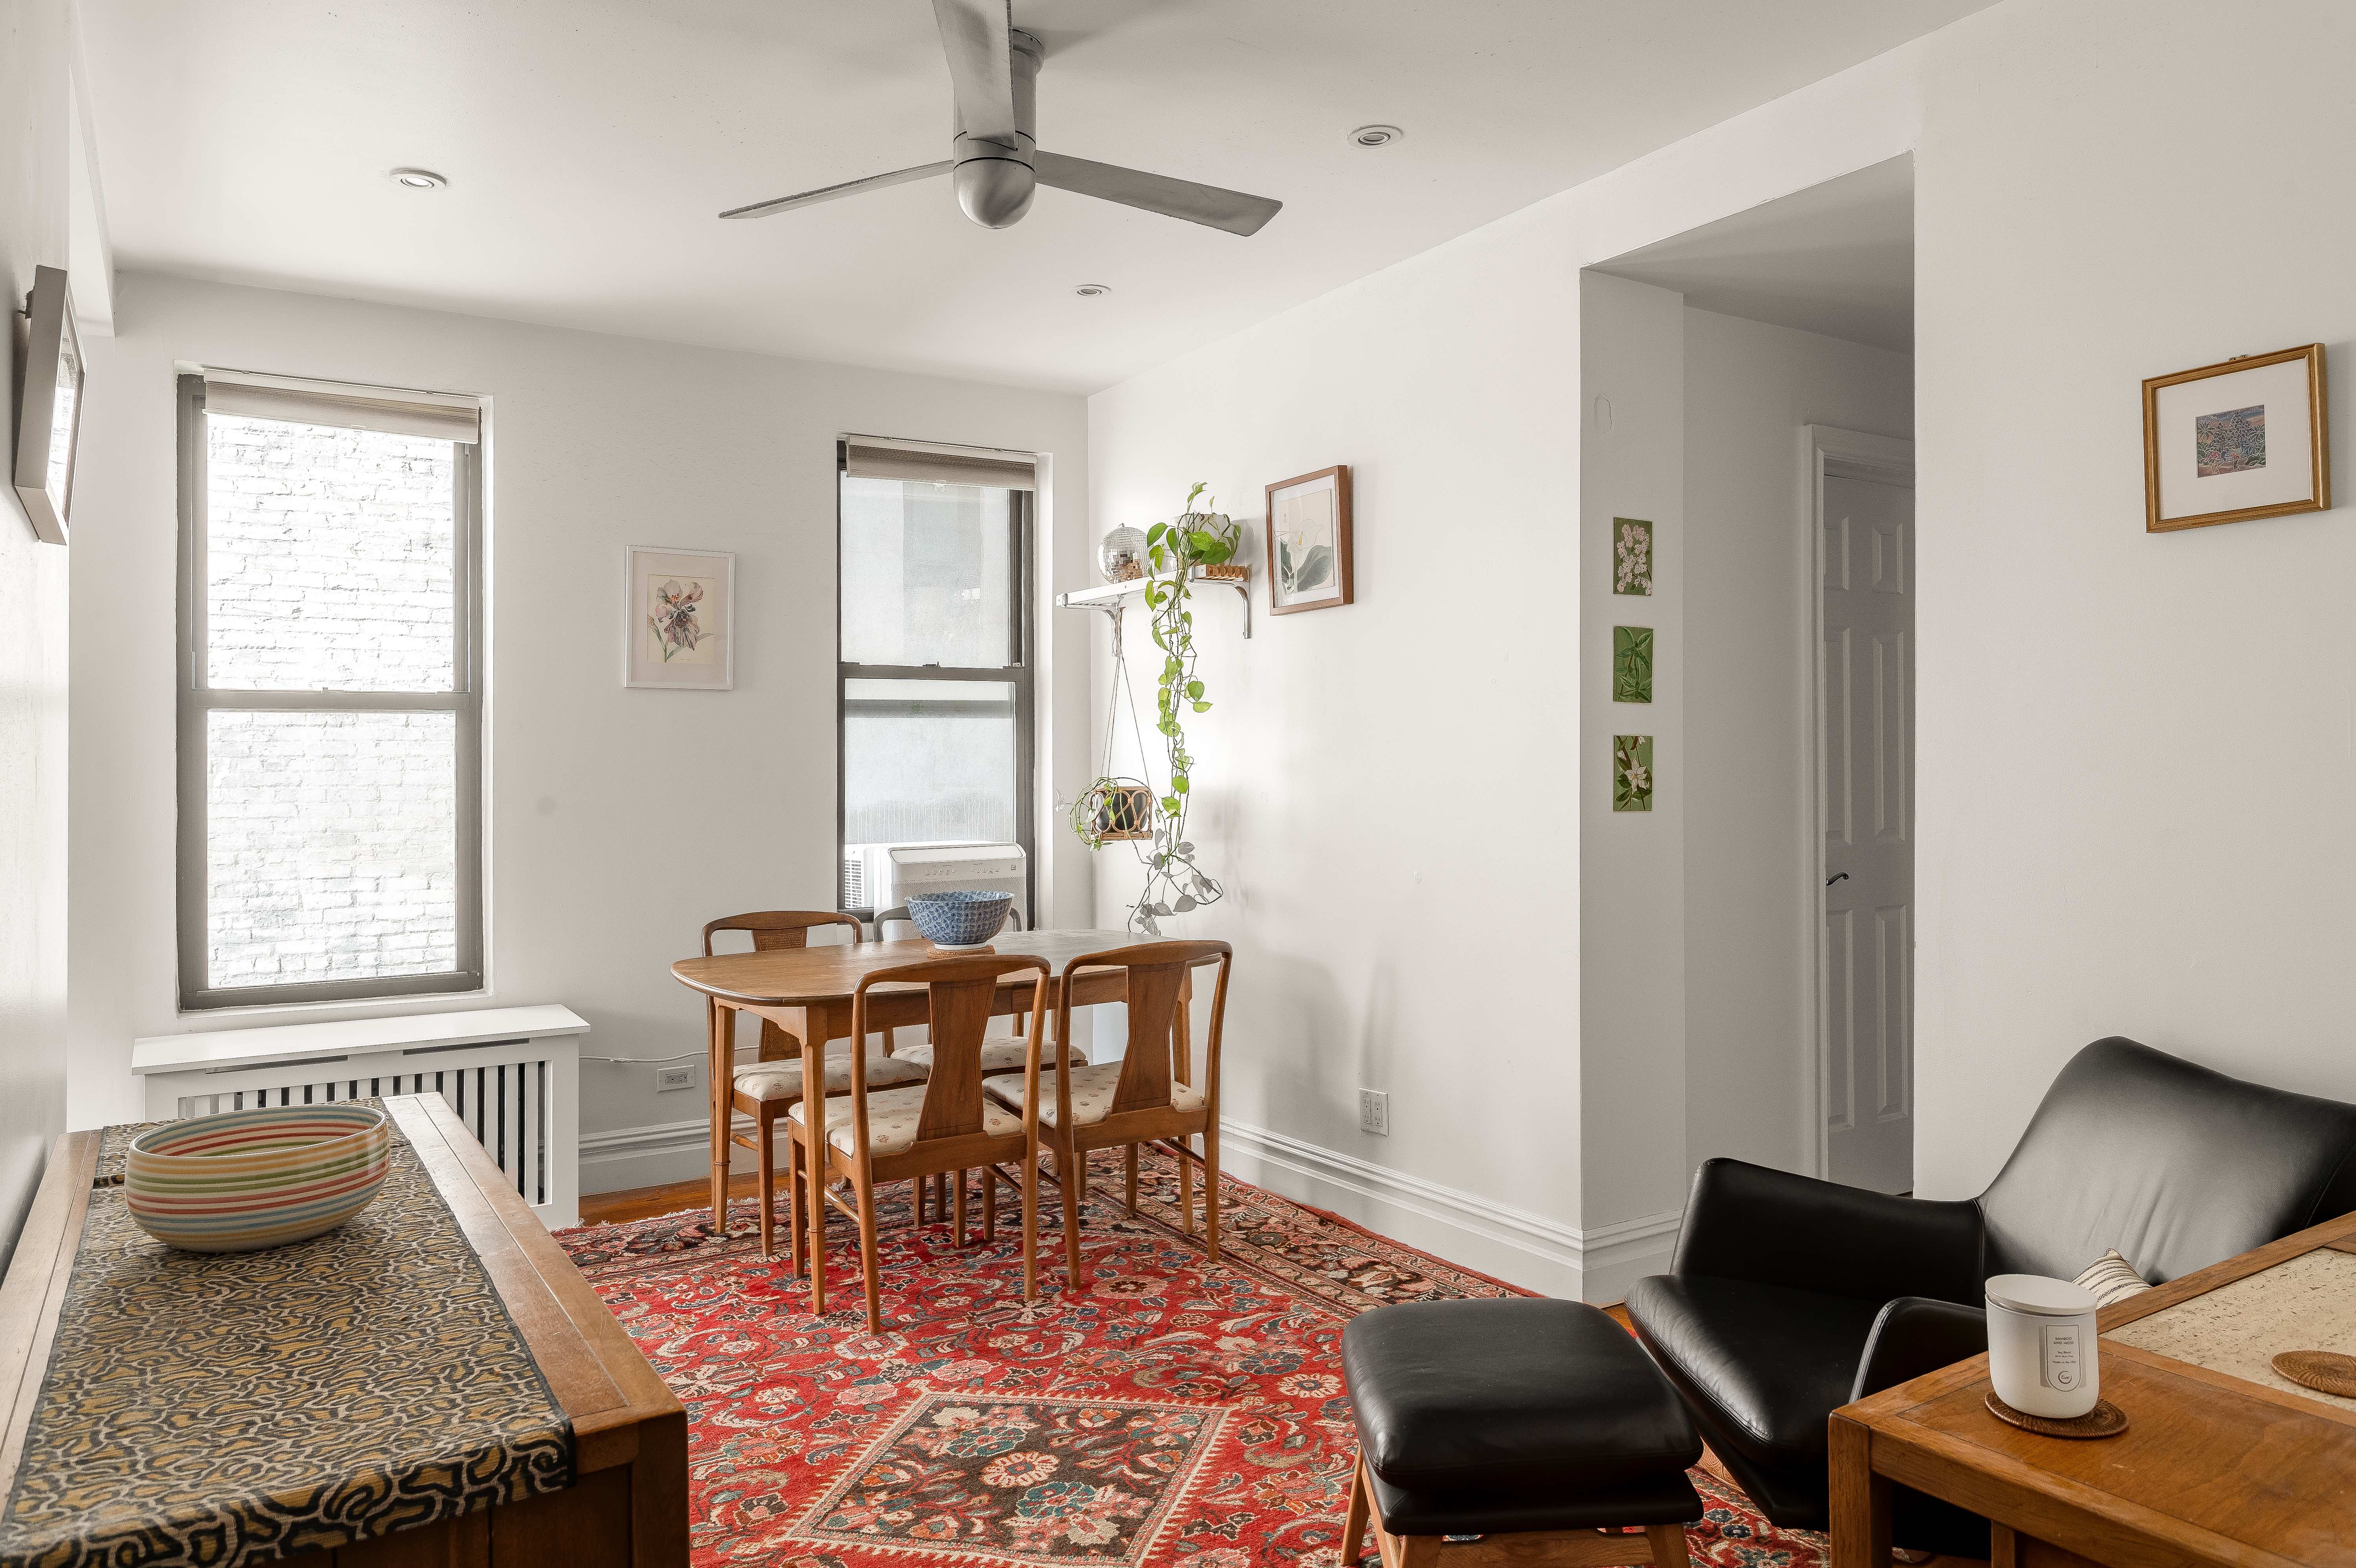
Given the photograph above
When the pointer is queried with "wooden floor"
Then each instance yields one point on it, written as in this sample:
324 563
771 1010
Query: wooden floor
645 1202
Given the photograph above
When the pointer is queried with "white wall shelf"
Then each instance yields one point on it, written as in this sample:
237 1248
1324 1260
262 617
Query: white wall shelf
1113 597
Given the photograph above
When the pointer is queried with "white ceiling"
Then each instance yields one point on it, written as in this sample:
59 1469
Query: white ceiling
1837 258
590 143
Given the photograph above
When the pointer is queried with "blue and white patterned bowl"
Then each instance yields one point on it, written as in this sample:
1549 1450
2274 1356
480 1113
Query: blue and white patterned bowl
961 919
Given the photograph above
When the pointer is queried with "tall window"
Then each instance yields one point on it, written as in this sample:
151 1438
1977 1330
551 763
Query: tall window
330 695
936 638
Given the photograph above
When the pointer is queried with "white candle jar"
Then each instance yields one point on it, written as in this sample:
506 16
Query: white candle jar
2041 1355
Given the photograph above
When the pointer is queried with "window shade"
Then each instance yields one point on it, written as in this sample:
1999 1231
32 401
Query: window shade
393 415
871 461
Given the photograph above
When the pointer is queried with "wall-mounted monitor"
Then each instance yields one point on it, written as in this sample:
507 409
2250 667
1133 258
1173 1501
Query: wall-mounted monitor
48 405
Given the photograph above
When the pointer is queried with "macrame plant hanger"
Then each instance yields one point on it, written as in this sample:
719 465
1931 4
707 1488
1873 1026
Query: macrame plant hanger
1118 806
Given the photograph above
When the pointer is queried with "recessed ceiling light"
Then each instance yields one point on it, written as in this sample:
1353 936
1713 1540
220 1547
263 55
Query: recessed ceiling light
1091 291
419 179
1376 135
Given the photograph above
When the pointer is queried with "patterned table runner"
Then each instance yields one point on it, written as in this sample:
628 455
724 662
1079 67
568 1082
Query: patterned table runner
2305 1302
222 1411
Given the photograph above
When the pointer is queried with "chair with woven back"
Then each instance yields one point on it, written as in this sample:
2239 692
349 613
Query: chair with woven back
765 1088
944 1125
1146 1097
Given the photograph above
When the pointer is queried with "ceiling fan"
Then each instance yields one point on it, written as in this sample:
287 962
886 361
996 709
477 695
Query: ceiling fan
995 162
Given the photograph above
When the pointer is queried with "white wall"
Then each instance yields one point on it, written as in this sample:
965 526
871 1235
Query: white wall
618 821
2138 752
1749 589
1381 786
35 154
2134 752
1632 1066
1389 788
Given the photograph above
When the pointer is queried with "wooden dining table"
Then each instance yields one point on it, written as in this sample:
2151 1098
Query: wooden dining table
806 992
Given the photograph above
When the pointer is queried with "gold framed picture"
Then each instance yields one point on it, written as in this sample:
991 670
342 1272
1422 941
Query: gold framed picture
2249 438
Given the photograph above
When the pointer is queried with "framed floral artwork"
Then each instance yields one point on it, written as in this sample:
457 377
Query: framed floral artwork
1632 556
1632 773
2225 444
1308 542
678 619
1632 664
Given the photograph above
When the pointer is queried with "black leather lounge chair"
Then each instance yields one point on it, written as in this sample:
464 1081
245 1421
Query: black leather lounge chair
1789 1297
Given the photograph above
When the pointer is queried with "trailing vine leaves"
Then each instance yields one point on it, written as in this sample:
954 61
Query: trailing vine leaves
1173 884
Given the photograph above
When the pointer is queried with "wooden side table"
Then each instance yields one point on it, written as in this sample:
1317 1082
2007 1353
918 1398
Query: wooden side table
2215 1468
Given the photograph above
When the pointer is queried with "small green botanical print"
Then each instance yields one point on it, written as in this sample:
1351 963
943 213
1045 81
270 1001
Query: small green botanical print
1632 664
1632 773
1632 556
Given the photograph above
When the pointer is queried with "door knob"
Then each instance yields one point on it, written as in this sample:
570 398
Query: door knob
1836 877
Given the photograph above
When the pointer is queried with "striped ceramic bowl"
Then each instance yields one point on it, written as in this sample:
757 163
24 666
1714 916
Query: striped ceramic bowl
251 1179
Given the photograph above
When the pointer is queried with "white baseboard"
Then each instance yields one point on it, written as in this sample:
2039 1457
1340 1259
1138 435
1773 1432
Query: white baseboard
1618 1256
653 1156
1512 1244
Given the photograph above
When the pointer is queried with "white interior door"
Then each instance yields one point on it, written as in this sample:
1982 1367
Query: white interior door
1865 705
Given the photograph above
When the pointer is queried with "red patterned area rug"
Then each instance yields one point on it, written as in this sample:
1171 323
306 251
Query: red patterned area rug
1183 1415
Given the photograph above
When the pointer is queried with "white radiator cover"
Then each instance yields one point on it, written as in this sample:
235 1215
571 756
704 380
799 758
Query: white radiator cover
512 1075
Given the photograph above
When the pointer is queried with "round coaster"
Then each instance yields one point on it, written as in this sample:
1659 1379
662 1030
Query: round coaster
2321 1371
2106 1420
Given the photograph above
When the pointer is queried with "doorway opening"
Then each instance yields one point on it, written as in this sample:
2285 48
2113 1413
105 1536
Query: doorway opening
1785 667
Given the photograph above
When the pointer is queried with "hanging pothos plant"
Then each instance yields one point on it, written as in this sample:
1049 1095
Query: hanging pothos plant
1173 884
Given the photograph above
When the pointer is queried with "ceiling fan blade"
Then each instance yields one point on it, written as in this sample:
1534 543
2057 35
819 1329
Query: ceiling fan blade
829 193
973 34
1206 204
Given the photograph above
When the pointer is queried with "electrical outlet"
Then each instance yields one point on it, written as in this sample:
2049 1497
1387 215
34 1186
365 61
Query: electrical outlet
1375 1112
670 1078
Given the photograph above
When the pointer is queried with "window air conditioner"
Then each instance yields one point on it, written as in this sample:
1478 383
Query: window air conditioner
883 876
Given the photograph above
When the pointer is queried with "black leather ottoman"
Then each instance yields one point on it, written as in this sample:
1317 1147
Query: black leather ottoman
1539 1425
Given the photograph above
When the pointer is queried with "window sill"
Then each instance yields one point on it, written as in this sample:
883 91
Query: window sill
317 1012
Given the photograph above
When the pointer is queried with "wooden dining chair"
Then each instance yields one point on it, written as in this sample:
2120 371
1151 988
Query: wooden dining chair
1002 1054
765 1089
1146 1097
944 1125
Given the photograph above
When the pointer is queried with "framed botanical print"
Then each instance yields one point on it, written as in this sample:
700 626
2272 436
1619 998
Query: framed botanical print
2225 444
1632 556
1632 664
1632 773
679 618
1308 542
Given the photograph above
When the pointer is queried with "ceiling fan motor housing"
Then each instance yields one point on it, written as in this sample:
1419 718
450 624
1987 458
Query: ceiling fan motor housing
994 180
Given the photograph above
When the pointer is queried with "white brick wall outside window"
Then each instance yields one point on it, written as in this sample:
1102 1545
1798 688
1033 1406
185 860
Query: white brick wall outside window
331 850
329 559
